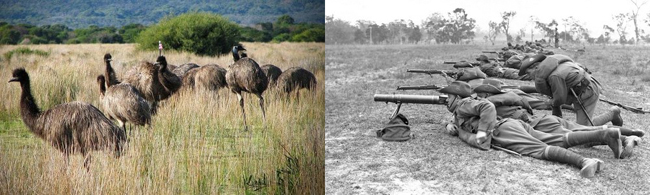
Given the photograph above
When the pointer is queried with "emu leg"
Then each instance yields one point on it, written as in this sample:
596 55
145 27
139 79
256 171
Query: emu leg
262 106
241 104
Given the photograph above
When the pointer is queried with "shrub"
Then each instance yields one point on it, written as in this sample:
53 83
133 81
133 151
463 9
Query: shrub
199 33
25 51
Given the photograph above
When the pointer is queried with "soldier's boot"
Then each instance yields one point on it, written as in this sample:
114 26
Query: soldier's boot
613 115
631 132
588 166
611 136
629 143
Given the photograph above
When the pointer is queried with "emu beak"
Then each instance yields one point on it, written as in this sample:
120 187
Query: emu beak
15 79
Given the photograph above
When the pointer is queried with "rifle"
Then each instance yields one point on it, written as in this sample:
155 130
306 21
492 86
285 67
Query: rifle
638 110
409 99
489 52
419 87
432 71
462 64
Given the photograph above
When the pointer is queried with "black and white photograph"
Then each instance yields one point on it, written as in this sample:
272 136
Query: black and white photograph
487 97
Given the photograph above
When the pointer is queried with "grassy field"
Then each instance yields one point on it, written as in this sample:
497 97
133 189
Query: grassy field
196 144
433 162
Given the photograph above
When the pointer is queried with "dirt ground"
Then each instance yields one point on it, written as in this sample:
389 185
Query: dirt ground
357 162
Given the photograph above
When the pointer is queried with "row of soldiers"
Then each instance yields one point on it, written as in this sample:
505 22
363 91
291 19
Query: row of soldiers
487 114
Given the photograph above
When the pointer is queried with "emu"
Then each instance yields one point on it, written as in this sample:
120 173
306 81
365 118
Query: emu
181 70
272 72
246 75
296 78
75 127
154 81
124 103
209 77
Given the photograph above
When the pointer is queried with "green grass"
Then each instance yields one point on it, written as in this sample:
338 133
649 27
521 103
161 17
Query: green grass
436 163
24 51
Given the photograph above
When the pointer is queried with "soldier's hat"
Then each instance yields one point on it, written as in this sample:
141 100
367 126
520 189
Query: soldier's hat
490 86
487 88
482 58
459 88
462 64
494 82
525 64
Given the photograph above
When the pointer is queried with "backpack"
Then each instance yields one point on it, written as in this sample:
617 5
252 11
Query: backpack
397 129
467 74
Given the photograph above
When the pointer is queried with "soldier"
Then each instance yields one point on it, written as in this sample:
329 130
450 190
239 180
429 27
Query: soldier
475 122
564 80
534 102
510 105
494 69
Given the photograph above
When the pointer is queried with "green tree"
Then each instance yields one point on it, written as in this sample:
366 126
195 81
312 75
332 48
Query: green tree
284 20
200 33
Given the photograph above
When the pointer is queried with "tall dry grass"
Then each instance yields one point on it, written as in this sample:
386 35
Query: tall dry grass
196 144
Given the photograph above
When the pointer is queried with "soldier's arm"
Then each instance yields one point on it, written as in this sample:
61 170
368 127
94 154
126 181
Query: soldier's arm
559 90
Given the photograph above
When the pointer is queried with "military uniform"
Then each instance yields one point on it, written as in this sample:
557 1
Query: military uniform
477 117
509 105
557 75
494 69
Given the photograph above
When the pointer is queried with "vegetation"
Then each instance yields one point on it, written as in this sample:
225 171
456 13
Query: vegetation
81 14
196 144
199 33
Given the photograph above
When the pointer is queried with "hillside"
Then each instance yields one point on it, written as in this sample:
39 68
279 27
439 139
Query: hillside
83 13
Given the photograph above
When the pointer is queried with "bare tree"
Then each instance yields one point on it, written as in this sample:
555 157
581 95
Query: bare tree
621 26
505 23
493 31
634 18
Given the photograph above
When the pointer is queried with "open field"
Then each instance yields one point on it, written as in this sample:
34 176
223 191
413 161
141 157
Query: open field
357 162
196 144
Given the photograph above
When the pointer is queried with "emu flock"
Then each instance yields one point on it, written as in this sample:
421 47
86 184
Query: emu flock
79 127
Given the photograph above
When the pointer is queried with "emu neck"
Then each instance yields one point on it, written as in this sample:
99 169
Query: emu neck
29 110
111 79
235 55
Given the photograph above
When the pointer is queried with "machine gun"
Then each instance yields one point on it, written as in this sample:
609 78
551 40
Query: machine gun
422 99
419 87
399 99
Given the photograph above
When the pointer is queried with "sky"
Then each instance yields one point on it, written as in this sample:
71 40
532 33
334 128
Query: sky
592 14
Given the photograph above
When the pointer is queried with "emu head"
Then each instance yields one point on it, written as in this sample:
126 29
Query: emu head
19 75
162 61
108 57
235 51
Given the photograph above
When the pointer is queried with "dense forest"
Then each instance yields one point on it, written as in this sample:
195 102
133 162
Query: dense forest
84 13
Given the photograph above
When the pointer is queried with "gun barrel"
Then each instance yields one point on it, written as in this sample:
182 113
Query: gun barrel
424 71
420 87
413 99
489 52
446 62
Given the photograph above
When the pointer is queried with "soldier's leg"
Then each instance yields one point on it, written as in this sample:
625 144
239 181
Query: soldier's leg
549 124
589 98
612 137
513 135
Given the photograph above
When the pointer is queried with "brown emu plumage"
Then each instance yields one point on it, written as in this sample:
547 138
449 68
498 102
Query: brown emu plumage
181 70
272 72
75 127
296 78
209 77
247 76
155 82
124 103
